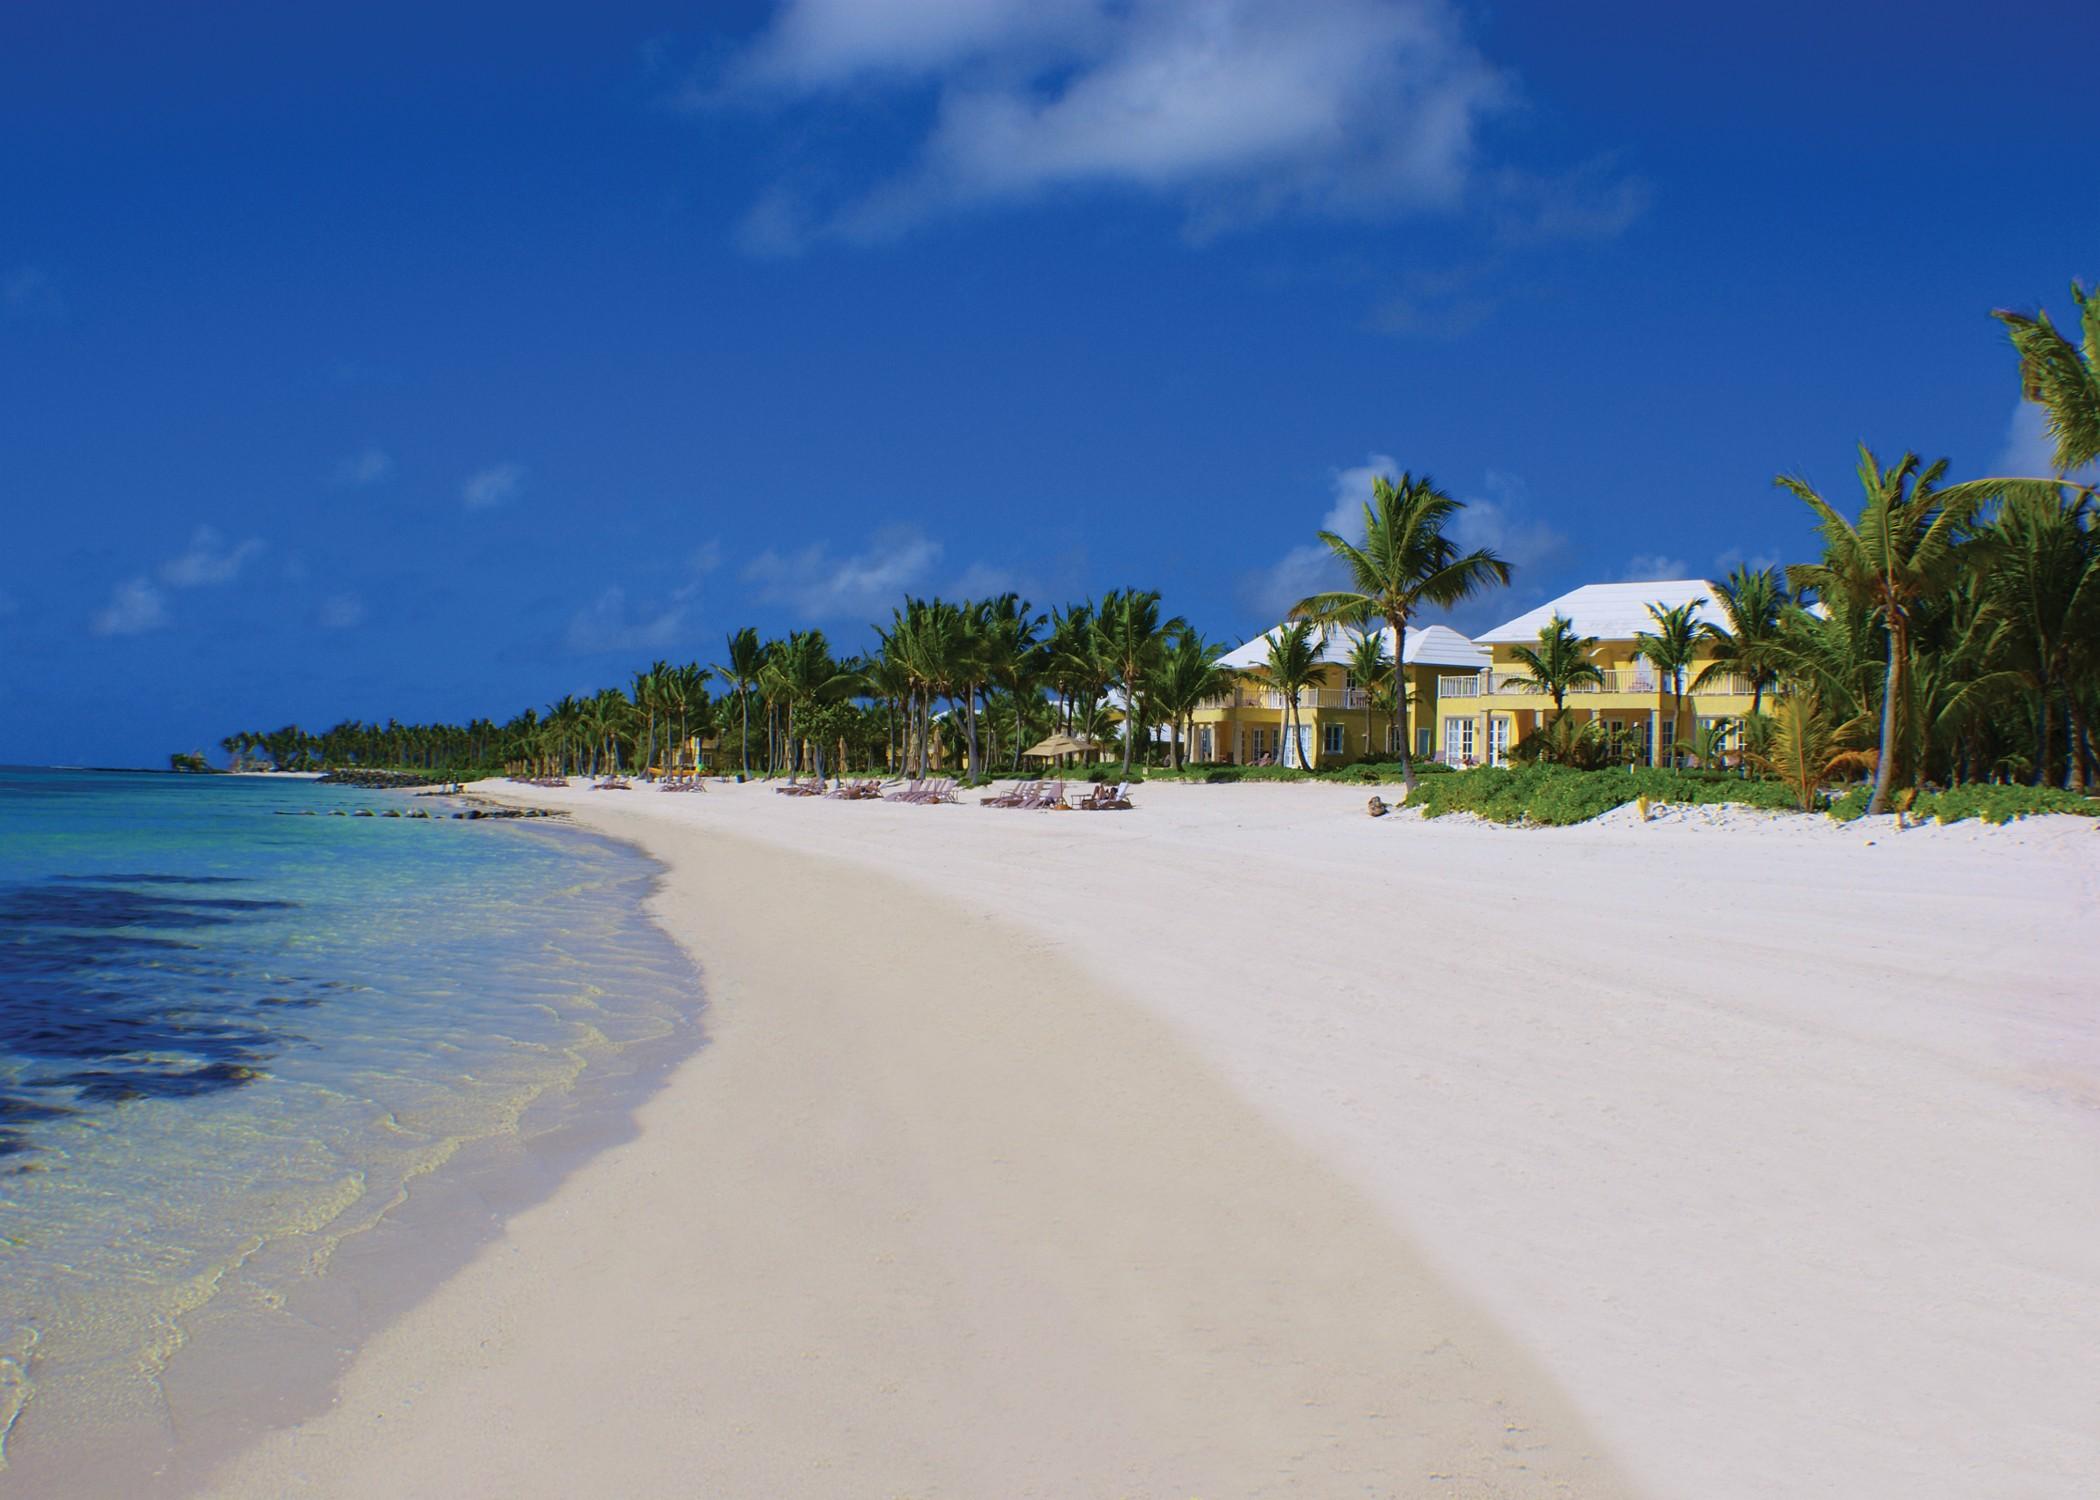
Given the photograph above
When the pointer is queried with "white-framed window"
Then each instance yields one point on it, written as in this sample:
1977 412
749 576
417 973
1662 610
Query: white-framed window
1204 742
1458 741
1334 740
1425 739
1258 742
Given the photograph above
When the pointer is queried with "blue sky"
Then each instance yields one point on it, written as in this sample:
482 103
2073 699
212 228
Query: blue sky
433 361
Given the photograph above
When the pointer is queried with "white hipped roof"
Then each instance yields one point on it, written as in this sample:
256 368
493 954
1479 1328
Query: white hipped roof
1610 611
1427 645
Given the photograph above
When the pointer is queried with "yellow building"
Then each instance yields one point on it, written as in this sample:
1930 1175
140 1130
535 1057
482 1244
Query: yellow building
1482 714
1338 724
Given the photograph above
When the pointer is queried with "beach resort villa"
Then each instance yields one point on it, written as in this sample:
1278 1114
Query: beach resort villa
1470 701
1338 720
1481 714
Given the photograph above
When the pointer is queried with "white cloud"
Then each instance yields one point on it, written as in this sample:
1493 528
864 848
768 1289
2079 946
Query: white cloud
608 624
363 470
1652 567
1500 521
983 580
2029 451
1596 201
341 612
1239 109
707 556
135 607
28 294
1727 561
865 585
209 560
492 486
819 43
1444 304
1309 568
1499 518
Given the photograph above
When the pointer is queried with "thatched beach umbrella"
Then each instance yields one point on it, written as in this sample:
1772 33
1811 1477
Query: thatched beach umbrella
1062 744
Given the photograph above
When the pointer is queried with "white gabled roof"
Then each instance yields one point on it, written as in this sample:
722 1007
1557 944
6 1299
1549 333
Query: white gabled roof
1427 645
1610 611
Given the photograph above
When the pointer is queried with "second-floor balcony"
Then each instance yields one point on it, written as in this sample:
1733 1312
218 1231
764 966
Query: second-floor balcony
1643 681
1308 698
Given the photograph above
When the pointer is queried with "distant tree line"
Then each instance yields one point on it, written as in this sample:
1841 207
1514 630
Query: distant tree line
1948 633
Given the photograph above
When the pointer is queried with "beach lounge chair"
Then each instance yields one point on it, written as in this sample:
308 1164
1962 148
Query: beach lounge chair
796 788
942 790
1021 793
1106 797
911 792
1050 794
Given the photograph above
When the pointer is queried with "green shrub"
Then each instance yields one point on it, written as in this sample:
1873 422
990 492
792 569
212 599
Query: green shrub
1977 799
1852 805
1556 796
2001 804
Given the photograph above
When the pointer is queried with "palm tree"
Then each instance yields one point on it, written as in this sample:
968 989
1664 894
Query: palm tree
1755 601
1133 642
648 688
1012 657
2063 377
1670 646
1292 665
746 658
1905 546
1371 669
2042 587
1189 676
972 670
1558 664
804 675
1076 670
1405 564
1807 748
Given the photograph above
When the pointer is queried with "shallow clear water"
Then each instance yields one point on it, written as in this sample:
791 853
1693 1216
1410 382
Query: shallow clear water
237 1033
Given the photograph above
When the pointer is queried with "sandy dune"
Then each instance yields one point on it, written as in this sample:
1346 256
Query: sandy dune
1242 1145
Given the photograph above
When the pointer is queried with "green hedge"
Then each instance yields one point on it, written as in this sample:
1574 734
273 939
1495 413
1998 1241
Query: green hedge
1558 795
1991 803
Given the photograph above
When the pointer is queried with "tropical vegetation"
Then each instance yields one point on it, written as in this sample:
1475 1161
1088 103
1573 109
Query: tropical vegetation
1945 637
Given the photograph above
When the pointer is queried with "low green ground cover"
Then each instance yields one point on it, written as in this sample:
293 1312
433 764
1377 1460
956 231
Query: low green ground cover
1557 795
1991 803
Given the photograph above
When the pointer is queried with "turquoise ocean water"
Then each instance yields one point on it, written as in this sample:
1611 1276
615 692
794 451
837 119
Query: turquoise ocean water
266 1072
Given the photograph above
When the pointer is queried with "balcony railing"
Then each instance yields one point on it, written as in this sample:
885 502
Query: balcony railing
1515 684
1617 680
1308 698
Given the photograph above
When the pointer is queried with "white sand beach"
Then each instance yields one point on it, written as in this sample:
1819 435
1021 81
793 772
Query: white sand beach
1242 1145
